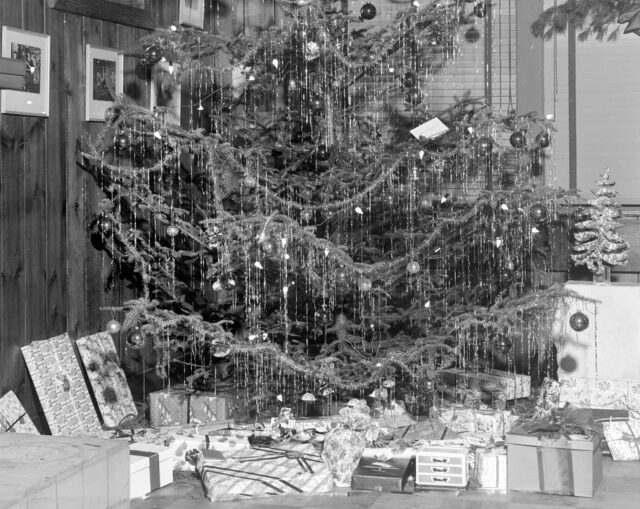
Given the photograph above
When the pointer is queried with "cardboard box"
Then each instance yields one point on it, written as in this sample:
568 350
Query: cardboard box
491 469
151 467
382 473
442 466
511 385
42 471
558 466
176 406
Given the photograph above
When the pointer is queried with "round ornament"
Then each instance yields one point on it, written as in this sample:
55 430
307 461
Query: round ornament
322 153
136 339
429 385
538 213
413 96
480 9
580 215
578 321
504 344
368 11
172 230
278 149
227 282
543 140
306 215
105 225
307 397
409 80
312 51
324 317
518 139
472 35
269 246
364 283
413 267
113 326
121 141
342 276
153 54
317 104
484 145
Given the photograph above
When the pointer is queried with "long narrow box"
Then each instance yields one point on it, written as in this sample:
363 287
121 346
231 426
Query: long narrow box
50 472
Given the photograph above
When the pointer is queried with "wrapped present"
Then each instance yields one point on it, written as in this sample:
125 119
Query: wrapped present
490 383
108 381
461 419
490 472
561 458
599 393
178 406
353 430
13 416
291 468
548 395
381 470
623 439
222 447
61 388
150 468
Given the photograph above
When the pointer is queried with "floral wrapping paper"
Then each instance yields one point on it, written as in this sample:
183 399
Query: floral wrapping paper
13 416
597 393
623 439
249 476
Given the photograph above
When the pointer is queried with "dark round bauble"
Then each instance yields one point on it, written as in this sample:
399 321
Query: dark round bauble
306 215
413 96
227 282
480 9
429 385
580 215
543 140
105 225
269 246
504 344
368 11
278 149
135 340
121 141
578 321
322 153
409 80
153 54
518 139
484 145
538 213
324 317
472 35
342 276
506 273
317 104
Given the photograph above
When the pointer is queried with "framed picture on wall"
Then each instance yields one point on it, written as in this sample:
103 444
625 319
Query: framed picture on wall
33 48
191 13
165 90
103 81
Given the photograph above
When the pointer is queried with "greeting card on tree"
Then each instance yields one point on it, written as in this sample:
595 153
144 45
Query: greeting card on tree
107 379
60 387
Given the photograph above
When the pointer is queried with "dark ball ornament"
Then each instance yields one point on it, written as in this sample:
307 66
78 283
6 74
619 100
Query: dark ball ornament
409 80
368 11
518 139
135 340
269 246
322 153
580 215
543 140
317 104
153 54
538 213
413 96
278 149
484 145
121 141
227 282
324 317
504 344
480 9
105 225
429 386
472 35
578 321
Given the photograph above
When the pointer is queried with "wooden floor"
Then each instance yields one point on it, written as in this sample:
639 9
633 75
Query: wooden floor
619 489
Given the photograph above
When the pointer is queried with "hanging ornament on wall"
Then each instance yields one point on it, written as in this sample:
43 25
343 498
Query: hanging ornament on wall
484 145
113 326
518 139
538 213
472 35
578 321
153 54
409 80
121 141
368 11
480 9
543 140
135 340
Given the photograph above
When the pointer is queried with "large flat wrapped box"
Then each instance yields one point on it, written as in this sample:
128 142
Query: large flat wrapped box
558 466
177 406
150 468
599 393
511 385
384 472
289 469
51 472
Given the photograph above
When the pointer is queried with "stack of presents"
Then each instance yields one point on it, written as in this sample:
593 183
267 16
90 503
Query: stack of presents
487 430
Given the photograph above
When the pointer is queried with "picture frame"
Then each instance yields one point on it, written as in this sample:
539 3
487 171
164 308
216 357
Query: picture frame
104 81
34 49
165 90
191 13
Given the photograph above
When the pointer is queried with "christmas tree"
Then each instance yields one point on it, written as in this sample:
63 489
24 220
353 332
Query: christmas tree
295 237
597 242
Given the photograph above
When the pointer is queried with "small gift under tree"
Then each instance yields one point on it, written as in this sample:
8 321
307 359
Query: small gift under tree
597 244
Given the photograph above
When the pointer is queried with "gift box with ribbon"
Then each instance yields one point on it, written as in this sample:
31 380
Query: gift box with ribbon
262 471
490 470
381 470
493 386
561 458
179 406
623 439
151 467
13 416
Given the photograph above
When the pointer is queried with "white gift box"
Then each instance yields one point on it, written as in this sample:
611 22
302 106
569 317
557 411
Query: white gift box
151 467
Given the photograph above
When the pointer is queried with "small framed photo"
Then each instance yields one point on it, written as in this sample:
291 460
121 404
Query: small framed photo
191 13
166 88
33 48
103 81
